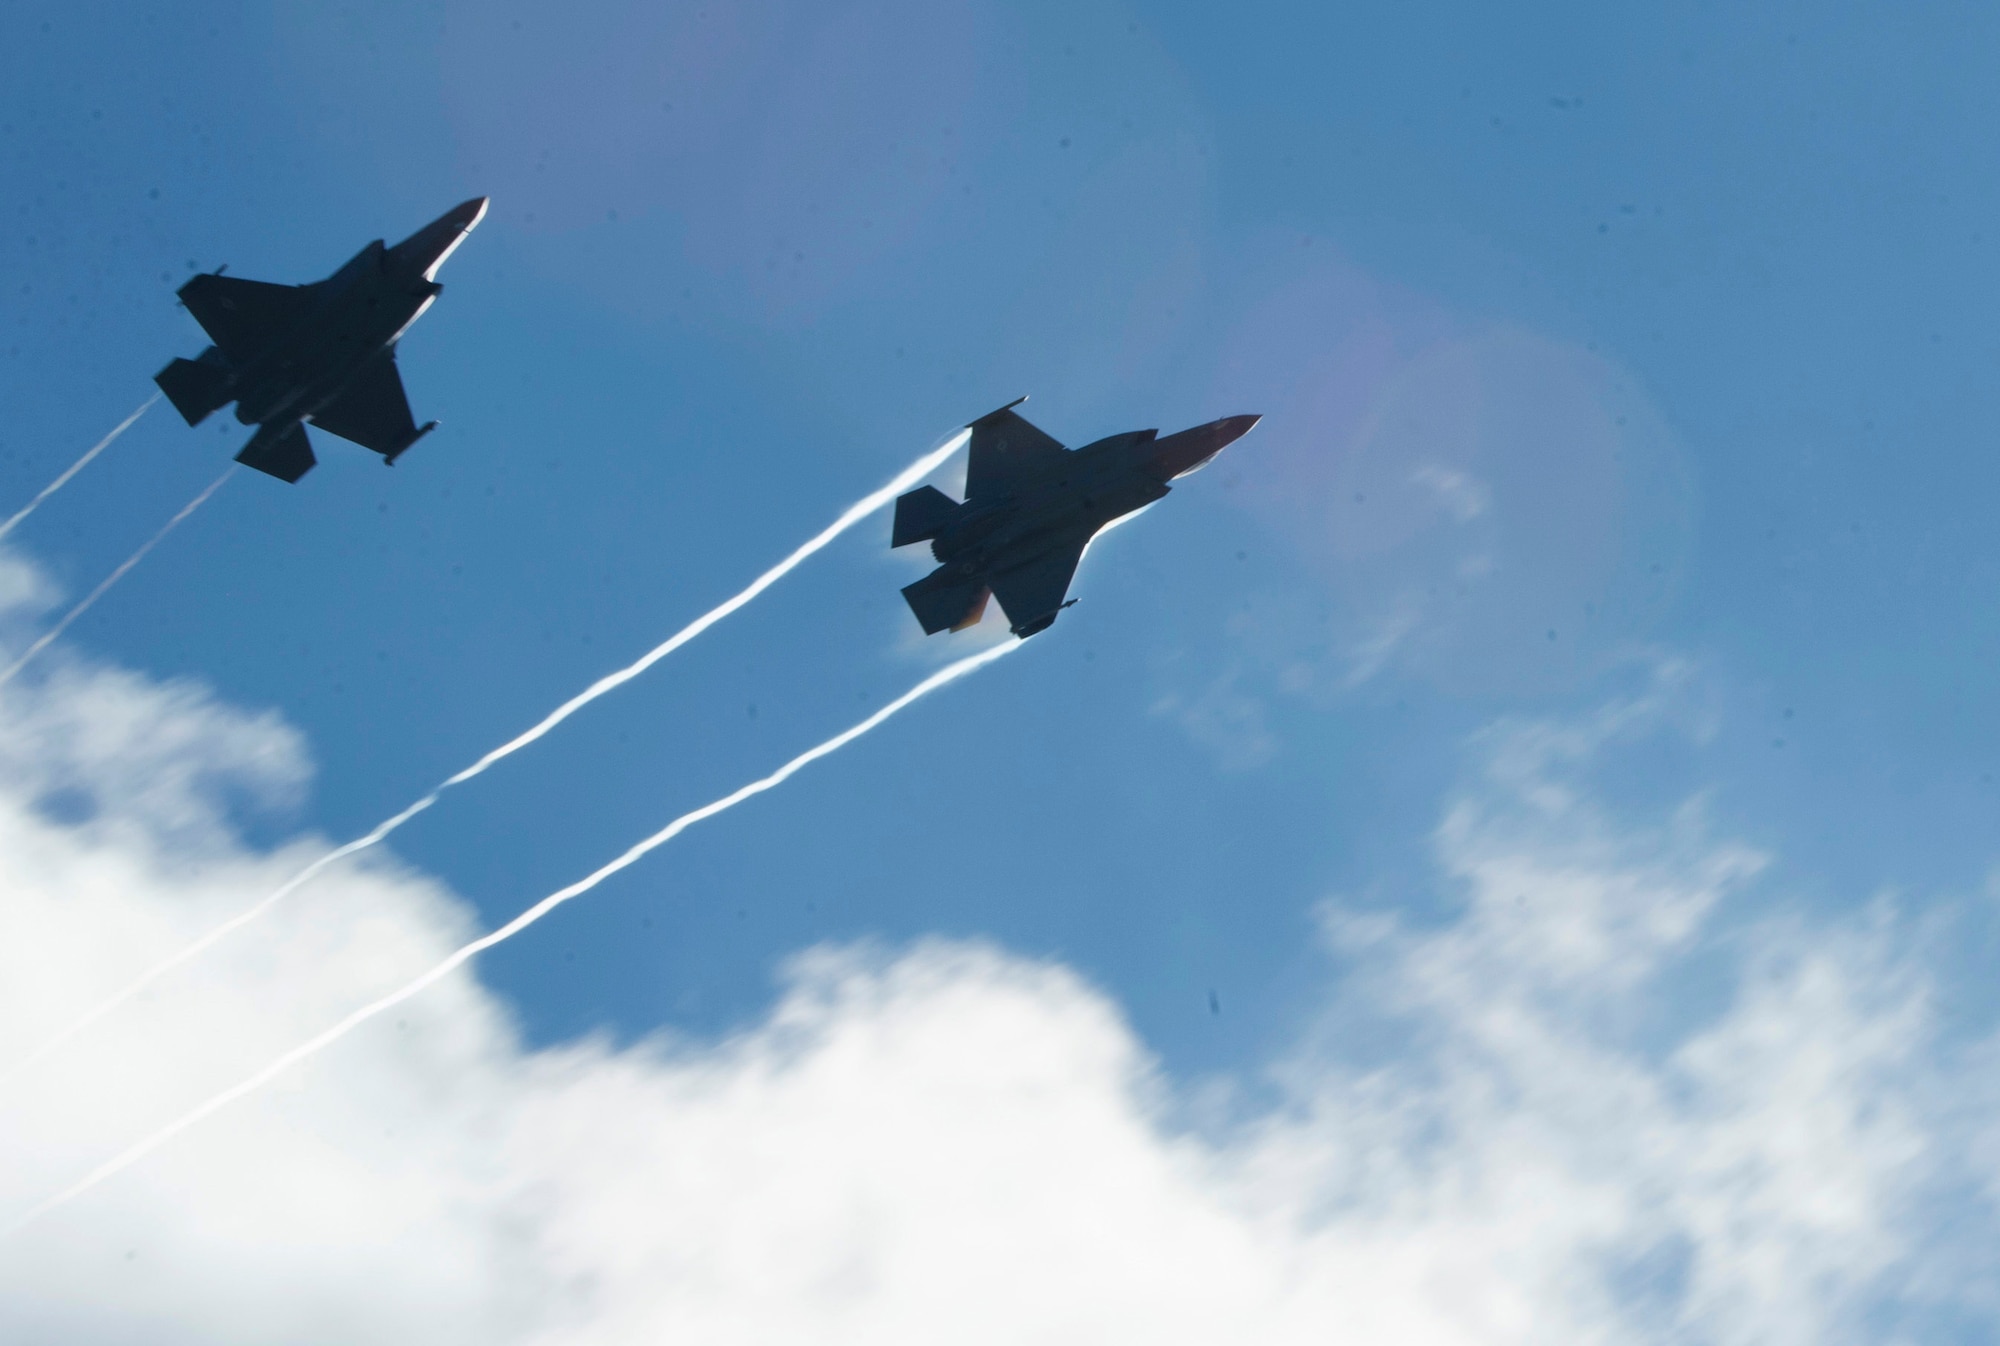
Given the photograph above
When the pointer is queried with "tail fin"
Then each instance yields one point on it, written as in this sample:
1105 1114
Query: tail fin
920 514
943 601
196 387
285 454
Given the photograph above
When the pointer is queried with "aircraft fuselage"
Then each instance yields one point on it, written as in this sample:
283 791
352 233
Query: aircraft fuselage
360 312
1099 483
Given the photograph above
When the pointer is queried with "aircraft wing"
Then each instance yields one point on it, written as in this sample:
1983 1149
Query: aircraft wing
244 317
1004 448
1032 594
373 410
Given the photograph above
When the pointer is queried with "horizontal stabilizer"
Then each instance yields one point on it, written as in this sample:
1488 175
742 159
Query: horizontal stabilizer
920 514
943 601
286 455
196 387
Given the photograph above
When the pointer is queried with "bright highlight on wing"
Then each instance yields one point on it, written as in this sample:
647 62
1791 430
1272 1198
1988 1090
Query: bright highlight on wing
855 513
950 673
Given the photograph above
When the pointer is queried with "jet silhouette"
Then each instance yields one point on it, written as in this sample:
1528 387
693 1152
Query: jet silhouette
324 352
1031 508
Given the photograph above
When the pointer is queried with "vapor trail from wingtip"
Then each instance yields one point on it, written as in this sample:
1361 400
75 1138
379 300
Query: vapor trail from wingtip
99 447
49 636
855 513
464 954
861 509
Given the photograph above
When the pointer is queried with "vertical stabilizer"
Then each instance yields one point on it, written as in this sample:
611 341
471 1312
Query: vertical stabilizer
944 601
197 387
285 454
920 515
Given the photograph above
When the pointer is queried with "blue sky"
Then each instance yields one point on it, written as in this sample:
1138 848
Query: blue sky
1591 343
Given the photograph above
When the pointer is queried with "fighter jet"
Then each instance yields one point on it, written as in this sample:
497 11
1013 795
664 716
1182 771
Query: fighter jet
1031 508
324 352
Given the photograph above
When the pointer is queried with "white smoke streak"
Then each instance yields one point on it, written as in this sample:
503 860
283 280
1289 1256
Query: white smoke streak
463 955
855 513
48 637
99 447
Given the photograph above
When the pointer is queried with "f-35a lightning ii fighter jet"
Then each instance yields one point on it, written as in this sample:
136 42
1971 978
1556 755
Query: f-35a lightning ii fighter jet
1031 508
324 352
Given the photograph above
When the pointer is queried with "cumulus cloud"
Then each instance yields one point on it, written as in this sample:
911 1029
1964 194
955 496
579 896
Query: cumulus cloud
1506 1125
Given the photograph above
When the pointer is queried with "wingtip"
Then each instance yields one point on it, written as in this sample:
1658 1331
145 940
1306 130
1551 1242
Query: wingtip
997 411
389 459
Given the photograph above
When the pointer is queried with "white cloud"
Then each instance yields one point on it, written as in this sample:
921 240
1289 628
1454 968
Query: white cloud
1464 496
948 1142
1225 720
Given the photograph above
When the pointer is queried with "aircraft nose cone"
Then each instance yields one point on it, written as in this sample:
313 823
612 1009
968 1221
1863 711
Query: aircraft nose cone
1232 428
1178 455
426 250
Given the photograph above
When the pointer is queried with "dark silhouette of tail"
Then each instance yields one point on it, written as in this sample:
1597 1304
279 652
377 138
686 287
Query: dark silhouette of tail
283 453
197 387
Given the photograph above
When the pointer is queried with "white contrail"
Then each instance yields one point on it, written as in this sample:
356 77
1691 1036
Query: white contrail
949 673
860 510
48 637
99 447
